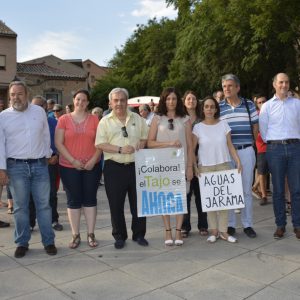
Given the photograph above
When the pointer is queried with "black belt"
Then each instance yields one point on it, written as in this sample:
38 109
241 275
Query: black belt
284 142
239 147
27 161
109 161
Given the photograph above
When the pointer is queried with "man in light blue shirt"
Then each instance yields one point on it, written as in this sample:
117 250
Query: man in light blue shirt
279 124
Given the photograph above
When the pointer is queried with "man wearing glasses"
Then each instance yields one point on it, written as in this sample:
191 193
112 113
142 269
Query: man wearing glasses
119 135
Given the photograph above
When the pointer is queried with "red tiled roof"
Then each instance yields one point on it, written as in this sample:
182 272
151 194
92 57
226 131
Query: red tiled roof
4 30
42 69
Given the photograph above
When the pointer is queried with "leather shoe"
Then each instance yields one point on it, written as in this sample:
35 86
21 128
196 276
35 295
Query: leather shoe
4 224
231 230
141 241
297 232
51 249
279 233
249 231
20 251
119 244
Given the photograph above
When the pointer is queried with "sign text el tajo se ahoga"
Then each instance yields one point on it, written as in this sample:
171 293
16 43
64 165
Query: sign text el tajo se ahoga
160 182
221 190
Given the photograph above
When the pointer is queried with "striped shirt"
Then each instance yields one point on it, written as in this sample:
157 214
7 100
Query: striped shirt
238 120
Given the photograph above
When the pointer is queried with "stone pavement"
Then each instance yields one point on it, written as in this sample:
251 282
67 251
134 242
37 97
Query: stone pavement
260 268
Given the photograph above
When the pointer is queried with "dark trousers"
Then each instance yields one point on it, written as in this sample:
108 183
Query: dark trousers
53 173
119 181
202 216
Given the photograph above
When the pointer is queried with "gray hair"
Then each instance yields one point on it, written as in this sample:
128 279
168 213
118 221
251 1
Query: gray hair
145 107
231 77
43 99
118 90
21 83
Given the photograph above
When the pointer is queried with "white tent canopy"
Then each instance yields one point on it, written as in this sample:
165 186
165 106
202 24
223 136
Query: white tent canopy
137 101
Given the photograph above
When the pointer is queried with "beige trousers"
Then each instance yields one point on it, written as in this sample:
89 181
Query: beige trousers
212 216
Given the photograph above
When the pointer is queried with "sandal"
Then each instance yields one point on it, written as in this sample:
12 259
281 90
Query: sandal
10 210
179 242
91 239
203 232
75 242
169 242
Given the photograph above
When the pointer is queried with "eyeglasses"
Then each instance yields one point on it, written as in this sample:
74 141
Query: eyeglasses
124 131
171 125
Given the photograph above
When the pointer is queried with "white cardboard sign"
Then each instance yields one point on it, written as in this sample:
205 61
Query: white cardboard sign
221 190
160 182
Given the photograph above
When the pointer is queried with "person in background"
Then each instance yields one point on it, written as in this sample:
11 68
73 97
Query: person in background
53 167
69 108
279 124
172 128
26 166
192 108
79 165
214 155
119 135
58 111
50 105
146 113
98 111
262 165
218 95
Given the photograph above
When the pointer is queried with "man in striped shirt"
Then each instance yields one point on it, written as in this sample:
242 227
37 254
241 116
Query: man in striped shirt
242 118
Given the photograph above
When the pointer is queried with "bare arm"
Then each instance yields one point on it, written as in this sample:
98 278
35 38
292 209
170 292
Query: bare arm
190 153
255 131
233 152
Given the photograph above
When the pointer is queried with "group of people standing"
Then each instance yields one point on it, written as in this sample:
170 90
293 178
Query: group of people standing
215 136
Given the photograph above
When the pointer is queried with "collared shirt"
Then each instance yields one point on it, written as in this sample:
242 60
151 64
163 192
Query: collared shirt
109 131
238 120
280 119
149 118
25 134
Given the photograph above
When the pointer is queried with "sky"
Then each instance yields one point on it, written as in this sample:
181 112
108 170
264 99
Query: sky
77 29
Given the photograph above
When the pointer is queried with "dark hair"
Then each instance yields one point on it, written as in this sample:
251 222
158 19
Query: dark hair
197 109
162 107
82 91
217 113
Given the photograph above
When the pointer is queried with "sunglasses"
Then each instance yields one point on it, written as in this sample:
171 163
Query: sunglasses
171 125
124 131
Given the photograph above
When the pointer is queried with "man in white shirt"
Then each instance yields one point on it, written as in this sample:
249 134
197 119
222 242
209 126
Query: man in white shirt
26 144
146 113
279 124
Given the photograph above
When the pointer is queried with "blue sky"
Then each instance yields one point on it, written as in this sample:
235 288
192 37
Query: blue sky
76 29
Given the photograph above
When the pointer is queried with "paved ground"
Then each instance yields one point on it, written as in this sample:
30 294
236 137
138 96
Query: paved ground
260 268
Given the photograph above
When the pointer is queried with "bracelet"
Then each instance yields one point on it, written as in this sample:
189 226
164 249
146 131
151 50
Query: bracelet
120 150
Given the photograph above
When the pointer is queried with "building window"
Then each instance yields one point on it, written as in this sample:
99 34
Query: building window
2 62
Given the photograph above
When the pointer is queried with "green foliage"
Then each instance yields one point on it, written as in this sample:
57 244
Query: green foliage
252 39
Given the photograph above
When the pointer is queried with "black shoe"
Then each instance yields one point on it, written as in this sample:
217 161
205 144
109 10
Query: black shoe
20 251
57 226
4 224
250 232
51 249
119 244
231 230
141 241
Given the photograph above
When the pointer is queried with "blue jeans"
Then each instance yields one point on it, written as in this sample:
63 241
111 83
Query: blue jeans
284 160
26 178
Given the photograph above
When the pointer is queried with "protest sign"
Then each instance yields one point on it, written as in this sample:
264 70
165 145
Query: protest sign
160 182
221 190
